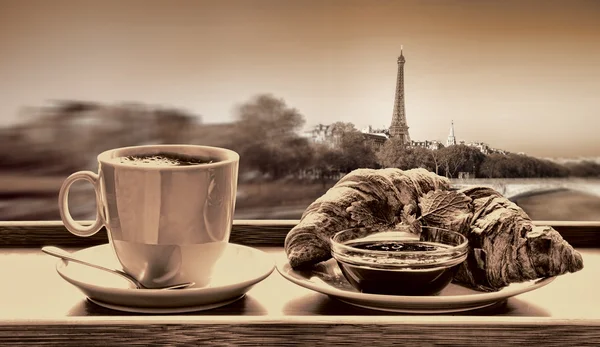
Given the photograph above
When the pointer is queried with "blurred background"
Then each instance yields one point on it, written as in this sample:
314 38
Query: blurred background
499 93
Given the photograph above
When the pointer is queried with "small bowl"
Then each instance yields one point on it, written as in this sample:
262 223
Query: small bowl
398 262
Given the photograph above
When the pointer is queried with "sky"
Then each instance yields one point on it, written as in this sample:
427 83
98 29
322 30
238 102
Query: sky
523 76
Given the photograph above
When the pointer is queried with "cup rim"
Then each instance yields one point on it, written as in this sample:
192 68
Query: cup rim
462 247
230 157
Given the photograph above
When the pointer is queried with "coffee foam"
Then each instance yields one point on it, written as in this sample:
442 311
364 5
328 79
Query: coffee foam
161 160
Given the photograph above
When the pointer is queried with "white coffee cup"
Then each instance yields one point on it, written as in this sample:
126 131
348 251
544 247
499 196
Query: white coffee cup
166 224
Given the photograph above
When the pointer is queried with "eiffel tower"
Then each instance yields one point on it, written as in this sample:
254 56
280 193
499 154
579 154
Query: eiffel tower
399 128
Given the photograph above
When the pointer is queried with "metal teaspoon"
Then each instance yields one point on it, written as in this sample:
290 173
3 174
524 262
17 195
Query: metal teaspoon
61 253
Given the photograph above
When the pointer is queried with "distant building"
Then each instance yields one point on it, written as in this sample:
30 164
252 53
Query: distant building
377 137
482 147
500 151
433 144
370 130
376 140
324 134
321 133
451 140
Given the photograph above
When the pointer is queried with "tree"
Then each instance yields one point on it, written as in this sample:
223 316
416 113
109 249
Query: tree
585 168
460 158
436 160
426 158
354 151
266 137
341 128
391 153
395 154
516 166
173 125
327 162
270 117
294 156
493 166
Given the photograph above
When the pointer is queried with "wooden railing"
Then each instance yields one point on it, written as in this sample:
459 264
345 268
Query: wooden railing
249 232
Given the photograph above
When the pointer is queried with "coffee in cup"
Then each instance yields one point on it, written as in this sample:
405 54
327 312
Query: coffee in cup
168 209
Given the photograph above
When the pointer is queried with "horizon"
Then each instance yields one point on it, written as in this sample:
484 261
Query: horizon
519 76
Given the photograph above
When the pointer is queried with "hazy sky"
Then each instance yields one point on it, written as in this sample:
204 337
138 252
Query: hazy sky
519 75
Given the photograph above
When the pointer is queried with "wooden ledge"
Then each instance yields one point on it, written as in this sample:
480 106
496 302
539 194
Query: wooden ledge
248 232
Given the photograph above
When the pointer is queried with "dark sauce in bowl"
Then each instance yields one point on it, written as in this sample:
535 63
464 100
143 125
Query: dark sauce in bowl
417 276
399 246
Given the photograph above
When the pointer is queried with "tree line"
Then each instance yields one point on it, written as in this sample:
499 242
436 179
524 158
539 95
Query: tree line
268 141
266 134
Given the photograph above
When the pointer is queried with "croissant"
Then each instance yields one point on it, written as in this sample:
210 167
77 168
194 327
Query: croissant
504 244
363 197
506 247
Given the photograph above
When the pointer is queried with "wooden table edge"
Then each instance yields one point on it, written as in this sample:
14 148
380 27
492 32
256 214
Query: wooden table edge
441 320
248 232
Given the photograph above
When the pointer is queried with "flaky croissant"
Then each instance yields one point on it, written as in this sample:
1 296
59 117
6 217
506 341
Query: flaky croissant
364 197
504 244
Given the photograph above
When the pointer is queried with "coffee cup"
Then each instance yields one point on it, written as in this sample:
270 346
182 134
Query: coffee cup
167 209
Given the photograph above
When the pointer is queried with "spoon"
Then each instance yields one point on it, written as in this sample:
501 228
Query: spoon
61 253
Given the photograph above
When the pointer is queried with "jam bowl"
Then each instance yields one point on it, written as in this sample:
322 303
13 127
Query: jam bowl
397 261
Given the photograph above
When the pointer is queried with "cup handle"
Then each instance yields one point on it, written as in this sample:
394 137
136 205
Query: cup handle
63 205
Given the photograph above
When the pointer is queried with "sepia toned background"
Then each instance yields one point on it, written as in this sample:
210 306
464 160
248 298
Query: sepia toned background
262 77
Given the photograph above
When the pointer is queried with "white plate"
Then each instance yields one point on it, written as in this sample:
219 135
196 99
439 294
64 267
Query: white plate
327 278
239 269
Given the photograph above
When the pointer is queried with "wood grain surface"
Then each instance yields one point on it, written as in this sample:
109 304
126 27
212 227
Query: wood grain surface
398 332
248 232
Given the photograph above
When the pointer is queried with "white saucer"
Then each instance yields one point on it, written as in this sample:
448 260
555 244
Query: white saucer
167 310
327 278
239 269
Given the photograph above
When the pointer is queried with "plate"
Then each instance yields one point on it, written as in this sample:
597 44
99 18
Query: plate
236 272
327 278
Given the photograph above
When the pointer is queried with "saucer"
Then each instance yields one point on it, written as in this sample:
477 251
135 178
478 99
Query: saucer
168 310
236 272
327 278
